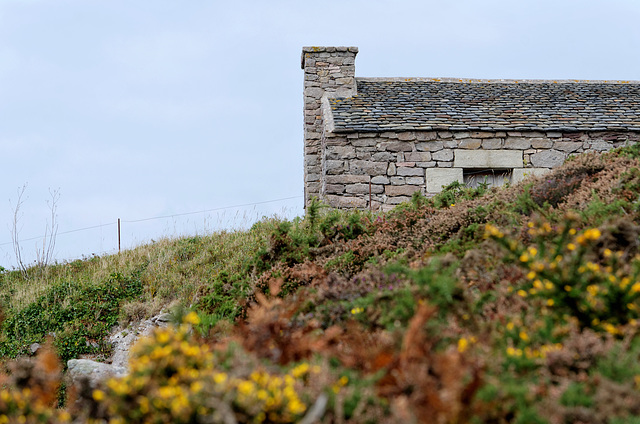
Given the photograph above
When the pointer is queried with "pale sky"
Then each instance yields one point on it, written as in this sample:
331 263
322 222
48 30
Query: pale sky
149 108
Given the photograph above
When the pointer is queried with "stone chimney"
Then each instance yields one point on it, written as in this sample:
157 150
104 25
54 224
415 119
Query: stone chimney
328 72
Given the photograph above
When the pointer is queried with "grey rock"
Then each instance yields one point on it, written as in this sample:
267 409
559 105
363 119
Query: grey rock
95 372
415 180
34 348
400 190
391 169
517 143
346 179
491 143
380 180
600 146
418 156
383 156
426 135
443 155
409 172
547 159
541 143
567 146
406 136
346 202
470 143
430 146
162 318
398 146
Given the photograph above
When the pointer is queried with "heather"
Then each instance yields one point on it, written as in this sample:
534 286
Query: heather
515 304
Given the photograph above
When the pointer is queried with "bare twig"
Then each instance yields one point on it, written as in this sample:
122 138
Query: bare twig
15 231
44 254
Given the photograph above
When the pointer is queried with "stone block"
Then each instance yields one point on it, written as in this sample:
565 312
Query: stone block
397 200
397 146
600 146
389 134
383 157
346 179
437 178
470 143
520 174
398 180
366 167
334 166
482 134
415 181
445 135
567 146
334 188
313 188
443 155
450 144
426 135
409 172
491 143
336 141
400 190
418 156
341 152
430 164
346 201
461 134
380 179
496 159
541 143
429 146
363 142
406 164
391 169
517 143
364 189
547 159
314 92
407 136
313 177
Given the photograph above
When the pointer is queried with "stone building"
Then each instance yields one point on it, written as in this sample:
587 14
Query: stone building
372 142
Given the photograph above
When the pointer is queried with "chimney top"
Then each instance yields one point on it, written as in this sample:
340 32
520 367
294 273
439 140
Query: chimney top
324 49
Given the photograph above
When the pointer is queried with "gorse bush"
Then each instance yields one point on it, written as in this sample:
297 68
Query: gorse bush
173 378
573 279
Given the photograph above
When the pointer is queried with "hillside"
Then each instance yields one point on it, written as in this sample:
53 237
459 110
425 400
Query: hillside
516 304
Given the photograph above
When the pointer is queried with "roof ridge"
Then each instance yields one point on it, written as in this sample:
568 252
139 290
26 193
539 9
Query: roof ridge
495 81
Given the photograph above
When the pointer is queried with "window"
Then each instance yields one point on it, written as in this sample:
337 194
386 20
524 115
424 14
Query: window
493 177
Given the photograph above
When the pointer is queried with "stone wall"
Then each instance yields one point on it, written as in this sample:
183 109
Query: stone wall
393 165
328 72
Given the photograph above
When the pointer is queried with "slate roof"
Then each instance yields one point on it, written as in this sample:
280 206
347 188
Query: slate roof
488 105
